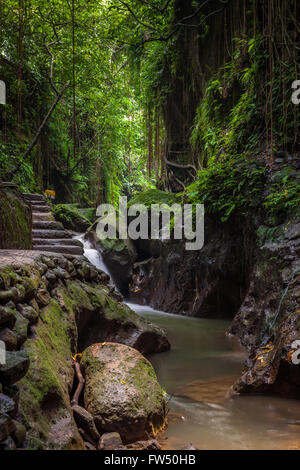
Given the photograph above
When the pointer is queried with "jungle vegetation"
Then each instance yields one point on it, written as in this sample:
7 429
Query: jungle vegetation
114 97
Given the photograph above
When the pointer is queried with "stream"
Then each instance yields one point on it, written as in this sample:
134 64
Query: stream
197 373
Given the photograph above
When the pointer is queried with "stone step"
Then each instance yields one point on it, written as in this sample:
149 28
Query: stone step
67 250
40 216
40 208
35 197
50 234
47 225
56 241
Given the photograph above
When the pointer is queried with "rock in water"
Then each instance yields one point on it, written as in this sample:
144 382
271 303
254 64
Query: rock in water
122 392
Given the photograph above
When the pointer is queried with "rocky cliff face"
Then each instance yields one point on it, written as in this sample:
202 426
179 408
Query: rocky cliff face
208 283
268 322
51 308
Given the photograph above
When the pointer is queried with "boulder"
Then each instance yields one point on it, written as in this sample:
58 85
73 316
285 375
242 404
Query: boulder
111 441
85 421
7 426
15 368
8 444
122 392
21 328
101 318
29 313
7 316
144 445
7 405
19 434
10 339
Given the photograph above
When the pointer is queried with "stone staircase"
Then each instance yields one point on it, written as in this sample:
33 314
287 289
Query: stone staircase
47 234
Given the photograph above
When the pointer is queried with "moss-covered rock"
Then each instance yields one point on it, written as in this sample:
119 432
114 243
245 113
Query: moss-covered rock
15 221
71 218
122 392
101 318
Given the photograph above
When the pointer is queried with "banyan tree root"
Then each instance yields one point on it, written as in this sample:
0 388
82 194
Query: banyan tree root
80 385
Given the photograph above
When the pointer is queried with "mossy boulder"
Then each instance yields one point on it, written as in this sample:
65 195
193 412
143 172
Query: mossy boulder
15 221
101 318
71 218
122 392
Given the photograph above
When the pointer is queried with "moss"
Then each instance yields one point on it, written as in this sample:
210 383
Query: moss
153 196
45 389
8 276
15 221
70 217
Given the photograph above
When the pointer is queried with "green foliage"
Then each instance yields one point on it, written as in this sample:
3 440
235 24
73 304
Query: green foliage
284 196
70 217
153 196
229 187
228 118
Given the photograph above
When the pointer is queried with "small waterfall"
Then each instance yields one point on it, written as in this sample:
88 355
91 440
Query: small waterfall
93 255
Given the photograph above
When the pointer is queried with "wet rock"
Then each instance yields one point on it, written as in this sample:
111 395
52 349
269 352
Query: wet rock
21 328
10 294
10 339
101 318
7 316
85 421
8 444
7 426
89 446
43 297
13 392
11 305
110 441
122 392
118 255
144 445
189 447
51 277
29 313
34 305
19 434
42 268
49 262
93 273
17 364
61 273
7 405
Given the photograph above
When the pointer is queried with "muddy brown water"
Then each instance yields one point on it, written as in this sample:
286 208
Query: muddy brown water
197 374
